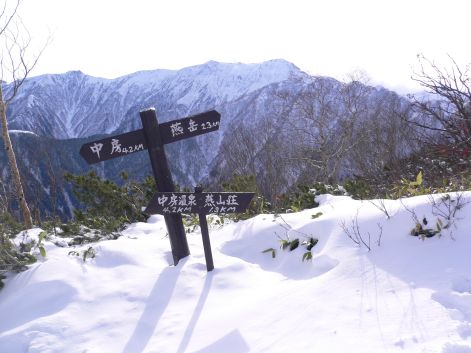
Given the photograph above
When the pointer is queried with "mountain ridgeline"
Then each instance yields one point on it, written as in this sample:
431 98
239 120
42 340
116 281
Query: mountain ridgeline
277 123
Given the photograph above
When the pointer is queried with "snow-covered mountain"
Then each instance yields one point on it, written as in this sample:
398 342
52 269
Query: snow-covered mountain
66 110
75 105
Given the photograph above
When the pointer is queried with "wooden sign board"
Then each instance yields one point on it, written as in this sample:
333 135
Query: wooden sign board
112 147
153 137
201 203
135 141
195 125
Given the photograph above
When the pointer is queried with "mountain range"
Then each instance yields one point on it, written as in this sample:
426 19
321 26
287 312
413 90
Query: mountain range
53 115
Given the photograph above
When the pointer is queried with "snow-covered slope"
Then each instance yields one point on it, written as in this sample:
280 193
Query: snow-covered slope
405 295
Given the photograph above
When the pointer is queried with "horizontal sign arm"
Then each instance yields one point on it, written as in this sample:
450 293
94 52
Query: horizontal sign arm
114 146
134 141
204 203
195 125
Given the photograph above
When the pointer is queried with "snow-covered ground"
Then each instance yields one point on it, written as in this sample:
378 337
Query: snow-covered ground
405 295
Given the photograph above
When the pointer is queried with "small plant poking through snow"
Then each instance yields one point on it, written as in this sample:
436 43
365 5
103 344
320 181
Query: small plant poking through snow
90 253
381 206
446 209
309 245
271 251
317 215
286 244
39 244
353 232
419 229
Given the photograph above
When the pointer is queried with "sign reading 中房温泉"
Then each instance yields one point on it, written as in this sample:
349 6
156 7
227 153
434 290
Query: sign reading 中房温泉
134 141
202 203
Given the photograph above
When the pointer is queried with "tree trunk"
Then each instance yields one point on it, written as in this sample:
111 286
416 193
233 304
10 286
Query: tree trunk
28 222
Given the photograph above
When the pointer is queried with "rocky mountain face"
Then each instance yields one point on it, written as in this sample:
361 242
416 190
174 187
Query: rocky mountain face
75 105
61 112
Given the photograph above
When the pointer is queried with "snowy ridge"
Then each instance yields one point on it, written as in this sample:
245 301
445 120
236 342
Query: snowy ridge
21 132
249 97
405 295
76 105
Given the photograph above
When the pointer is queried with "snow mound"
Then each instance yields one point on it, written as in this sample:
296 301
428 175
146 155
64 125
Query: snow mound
390 292
266 232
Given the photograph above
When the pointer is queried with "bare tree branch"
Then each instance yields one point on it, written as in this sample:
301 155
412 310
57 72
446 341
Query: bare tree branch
447 115
15 41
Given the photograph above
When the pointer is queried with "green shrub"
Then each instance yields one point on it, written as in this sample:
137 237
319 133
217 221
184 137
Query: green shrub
247 183
406 188
358 188
108 206
16 258
11 258
304 195
9 225
302 198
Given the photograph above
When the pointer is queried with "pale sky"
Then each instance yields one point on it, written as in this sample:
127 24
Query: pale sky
111 38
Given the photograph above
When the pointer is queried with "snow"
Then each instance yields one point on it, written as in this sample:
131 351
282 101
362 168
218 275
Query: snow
228 81
78 105
22 132
405 295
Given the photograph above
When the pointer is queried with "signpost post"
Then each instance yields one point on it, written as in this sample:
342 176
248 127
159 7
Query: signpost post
153 136
208 254
164 182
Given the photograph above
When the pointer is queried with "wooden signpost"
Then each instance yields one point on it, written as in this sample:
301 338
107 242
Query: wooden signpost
152 137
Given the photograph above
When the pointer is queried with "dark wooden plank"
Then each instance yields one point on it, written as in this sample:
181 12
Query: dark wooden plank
114 146
195 125
164 182
134 141
208 254
207 202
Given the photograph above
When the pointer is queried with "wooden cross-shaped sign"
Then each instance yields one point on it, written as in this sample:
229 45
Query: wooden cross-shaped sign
135 141
153 136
